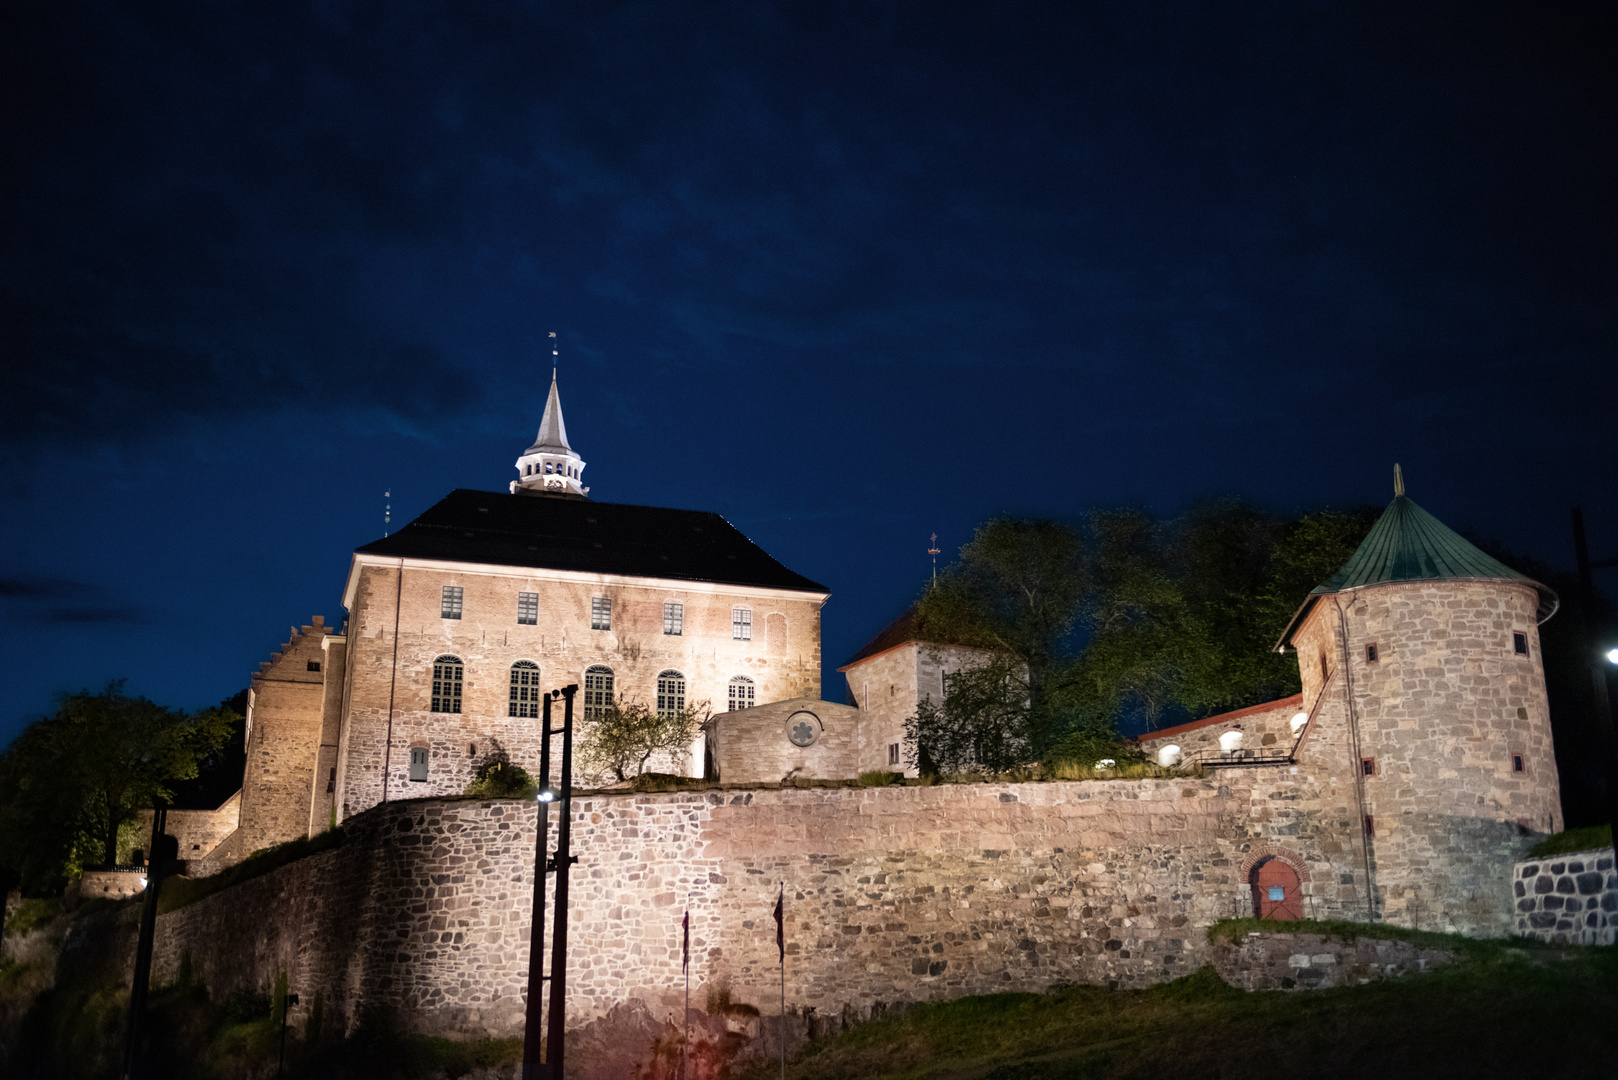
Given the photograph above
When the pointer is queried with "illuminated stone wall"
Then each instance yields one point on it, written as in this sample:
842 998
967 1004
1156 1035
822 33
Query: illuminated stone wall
1568 899
893 894
1440 714
782 658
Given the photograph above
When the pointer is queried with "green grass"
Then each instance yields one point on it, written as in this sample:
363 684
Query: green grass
177 892
1499 1013
1563 843
32 914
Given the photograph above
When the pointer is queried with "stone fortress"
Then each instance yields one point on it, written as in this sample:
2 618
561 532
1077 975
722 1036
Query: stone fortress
1403 784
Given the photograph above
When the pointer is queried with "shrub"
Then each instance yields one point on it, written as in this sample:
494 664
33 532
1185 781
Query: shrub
498 778
32 914
878 778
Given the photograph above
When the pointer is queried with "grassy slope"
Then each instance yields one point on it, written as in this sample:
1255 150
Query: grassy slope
1510 1013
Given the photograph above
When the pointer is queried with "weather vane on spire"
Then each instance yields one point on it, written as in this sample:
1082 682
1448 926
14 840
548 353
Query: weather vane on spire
553 356
1398 480
933 551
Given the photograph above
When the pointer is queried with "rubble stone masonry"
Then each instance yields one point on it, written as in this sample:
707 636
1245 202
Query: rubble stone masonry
391 647
892 894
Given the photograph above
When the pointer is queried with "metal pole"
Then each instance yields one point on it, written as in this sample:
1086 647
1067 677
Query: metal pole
135 1032
685 1046
783 984
557 1028
533 1054
1598 675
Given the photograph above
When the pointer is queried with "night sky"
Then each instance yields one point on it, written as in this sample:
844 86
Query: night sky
848 274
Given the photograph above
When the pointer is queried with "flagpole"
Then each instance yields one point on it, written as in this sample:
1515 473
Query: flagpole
780 940
685 1046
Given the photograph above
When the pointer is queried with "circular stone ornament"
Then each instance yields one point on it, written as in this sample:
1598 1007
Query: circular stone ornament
803 728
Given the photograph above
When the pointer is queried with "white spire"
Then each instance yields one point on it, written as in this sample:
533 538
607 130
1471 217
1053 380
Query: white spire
551 466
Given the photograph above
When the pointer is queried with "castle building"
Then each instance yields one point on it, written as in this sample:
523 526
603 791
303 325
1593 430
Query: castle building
457 621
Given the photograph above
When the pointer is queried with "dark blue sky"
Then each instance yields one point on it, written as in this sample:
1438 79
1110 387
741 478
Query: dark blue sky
845 273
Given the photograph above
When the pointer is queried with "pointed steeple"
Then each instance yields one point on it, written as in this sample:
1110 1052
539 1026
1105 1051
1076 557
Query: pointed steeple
552 431
551 466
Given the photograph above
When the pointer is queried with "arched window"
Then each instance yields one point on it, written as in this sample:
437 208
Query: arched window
524 689
597 691
741 693
448 673
670 692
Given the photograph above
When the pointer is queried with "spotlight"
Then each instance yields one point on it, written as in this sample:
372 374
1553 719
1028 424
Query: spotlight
547 795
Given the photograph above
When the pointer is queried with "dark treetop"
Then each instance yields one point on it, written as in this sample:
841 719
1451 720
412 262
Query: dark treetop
596 538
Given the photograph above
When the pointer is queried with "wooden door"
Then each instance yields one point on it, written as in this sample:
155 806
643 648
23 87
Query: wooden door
1276 894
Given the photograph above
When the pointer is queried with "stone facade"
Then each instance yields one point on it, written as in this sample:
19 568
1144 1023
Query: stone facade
1429 736
1281 961
892 894
886 687
756 746
1264 728
396 632
1568 899
198 832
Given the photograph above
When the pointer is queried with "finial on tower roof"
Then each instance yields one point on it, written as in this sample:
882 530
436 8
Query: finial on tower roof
1398 481
553 356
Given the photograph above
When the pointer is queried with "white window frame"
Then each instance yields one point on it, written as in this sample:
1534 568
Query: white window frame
673 618
670 692
598 687
523 700
528 609
741 624
450 602
743 693
449 678
601 613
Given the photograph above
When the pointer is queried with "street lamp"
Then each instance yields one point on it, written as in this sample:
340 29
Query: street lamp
1612 656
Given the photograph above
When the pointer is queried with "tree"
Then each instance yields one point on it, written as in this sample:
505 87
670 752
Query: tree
1017 590
622 741
71 781
983 725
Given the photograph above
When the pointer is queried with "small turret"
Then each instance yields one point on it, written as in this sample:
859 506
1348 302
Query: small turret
551 466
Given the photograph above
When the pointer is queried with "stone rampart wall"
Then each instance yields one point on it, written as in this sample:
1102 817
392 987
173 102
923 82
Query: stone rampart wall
1283 961
892 895
1568 899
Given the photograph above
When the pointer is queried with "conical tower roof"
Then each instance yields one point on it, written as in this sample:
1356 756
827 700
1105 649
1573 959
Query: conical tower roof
552 437
1409 544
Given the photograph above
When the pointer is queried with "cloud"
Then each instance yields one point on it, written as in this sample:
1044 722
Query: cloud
59 600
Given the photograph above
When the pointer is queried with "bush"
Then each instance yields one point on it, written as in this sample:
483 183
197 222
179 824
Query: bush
31 915
498 778
879 778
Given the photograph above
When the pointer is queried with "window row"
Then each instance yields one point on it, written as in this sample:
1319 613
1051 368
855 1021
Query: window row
1519 647
554 469
741 619
449 676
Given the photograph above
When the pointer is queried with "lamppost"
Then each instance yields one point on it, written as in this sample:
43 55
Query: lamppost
164 853
537 1066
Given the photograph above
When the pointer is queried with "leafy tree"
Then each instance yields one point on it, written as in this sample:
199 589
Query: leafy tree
1017 589
623 740
983 725
71 781
497 777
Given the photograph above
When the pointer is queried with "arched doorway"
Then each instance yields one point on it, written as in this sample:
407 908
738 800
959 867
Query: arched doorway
1276 892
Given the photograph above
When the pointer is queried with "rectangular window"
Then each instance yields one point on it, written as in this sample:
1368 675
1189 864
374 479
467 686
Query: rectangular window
1517 763
527 608
601 613
1368 766
1278 893
1519 643
314 665
1370 653
674 619
1370 826
893 753
450 608
418 763
741 624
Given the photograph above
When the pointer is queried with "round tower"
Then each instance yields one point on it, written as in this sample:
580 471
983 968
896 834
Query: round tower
1428 651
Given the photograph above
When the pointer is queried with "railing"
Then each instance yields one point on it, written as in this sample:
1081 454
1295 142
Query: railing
1229 759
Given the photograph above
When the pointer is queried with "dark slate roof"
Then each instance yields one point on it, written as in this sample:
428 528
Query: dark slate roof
591 537
898 632
1409 544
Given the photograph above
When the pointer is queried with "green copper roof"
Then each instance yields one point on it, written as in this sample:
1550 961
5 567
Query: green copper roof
1409 544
